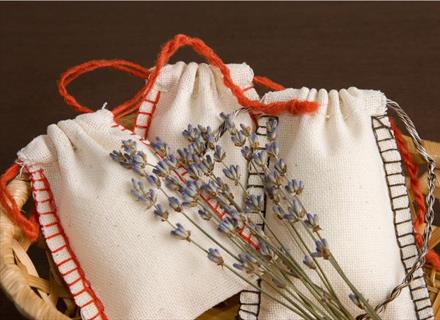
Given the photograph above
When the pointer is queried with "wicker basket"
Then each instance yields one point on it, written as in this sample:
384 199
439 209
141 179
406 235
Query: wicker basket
48 298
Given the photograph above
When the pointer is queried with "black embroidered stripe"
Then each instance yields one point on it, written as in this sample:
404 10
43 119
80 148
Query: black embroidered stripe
250 187
381 125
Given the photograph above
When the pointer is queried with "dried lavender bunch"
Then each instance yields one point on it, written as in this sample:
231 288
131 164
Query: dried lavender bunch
188 180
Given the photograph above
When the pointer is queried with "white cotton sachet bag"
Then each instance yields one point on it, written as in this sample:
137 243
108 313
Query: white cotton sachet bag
347 157
117 259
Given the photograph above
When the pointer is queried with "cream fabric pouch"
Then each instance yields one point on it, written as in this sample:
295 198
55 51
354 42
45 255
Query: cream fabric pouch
348 158
118 262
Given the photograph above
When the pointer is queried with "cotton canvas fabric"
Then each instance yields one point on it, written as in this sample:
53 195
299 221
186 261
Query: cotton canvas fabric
134 266
348 158
110 251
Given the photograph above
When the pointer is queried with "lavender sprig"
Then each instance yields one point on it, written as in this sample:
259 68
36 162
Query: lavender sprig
268 258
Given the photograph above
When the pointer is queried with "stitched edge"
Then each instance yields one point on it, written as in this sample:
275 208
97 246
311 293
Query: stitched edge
403 225
67 263
250 300
144 115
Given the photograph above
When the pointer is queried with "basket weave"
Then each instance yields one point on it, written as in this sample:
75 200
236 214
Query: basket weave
48 298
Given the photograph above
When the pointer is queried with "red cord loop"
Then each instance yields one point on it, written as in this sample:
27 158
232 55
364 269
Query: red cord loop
121 65
169 49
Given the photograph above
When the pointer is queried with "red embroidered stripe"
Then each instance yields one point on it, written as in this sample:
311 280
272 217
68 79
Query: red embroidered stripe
71 256
46 213
95 316
64 261
150 116
59 249
53 235
79 292
73 282
86 304
69 272
50 224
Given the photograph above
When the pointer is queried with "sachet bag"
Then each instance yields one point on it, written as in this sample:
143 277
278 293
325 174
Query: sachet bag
117 262
347 155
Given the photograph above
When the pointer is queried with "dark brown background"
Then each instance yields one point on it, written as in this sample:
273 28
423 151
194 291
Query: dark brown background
393 47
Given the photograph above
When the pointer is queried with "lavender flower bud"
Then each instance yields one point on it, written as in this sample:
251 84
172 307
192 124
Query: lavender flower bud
291 216
180 233
210 188
294 186
138 191
266 250
260 158
246 153
271 126
312 221
160 147
161 169
153 180
239 139
160 212
191 190
219 154
214 256
274 194
298 208
172 183
195 171
204 214
129 146
119 157
138 161
228 123
207 165
281 167
191 133
254 203
245 130
355 299
232 172
279 211
322 249
272 149
239 266
171 161
258 229
308 261
247 258
253 141
199 147
226 226
175 204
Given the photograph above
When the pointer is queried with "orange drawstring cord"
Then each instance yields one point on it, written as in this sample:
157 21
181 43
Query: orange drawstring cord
29 226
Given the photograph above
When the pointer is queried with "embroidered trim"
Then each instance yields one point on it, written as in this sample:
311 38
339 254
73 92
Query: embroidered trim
250 300
400 205
62 254
144 115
